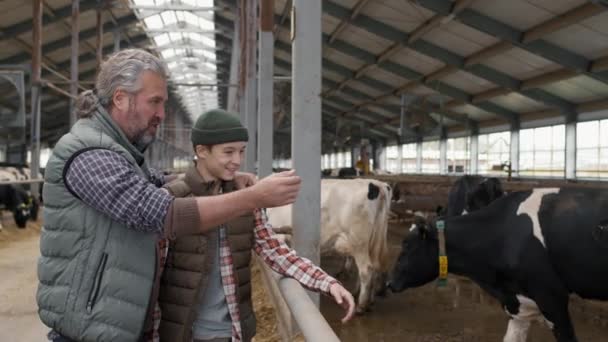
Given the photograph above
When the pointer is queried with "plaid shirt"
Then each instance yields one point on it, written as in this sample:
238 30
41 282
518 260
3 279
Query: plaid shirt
280 257
106 181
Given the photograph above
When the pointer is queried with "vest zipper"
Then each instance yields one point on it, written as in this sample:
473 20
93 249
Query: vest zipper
96 282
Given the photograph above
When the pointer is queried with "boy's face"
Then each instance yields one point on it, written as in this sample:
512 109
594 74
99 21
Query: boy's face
222 160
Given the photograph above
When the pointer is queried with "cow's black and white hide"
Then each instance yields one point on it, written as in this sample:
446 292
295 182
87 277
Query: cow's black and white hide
470 193
528 249
15 199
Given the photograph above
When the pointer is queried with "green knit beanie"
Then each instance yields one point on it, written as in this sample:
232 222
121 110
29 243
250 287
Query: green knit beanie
218 126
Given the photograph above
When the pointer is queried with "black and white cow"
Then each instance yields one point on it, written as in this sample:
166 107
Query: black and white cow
528 249
470 193
15 199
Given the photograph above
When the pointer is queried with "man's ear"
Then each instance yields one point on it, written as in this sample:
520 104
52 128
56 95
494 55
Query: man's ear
121 100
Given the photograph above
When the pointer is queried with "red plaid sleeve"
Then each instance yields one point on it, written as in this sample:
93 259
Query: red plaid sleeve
282 259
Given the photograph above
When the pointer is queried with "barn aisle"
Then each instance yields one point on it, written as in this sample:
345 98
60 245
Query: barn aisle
19 250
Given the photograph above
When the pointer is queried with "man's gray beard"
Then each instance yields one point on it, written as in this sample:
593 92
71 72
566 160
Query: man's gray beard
144 141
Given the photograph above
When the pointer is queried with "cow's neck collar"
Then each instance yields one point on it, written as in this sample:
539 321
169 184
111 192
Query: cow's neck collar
443 257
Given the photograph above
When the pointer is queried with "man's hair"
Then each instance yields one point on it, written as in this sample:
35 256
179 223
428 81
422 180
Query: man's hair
121 71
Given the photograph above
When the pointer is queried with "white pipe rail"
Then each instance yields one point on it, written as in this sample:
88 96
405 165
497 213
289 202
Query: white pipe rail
27 181
300 307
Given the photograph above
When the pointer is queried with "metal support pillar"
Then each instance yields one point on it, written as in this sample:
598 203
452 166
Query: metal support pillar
36 90
74 59
377 155
232 101
474 169
443 156
306 126
400 159
571 150
265 89
116 36
356 153
99 38
514 152
251 94
419 156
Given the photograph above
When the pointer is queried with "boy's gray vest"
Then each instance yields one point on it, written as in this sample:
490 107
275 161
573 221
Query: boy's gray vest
96 275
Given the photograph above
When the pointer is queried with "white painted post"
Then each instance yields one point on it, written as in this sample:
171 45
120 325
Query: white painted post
265 89
419 157
571 150
515 152
474 169
306 126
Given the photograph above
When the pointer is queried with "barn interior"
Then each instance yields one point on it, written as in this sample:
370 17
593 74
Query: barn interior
415 93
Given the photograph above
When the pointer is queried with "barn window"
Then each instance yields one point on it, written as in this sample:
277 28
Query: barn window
430 156
592 149
408 163
494 152
392 159
458 155
542 151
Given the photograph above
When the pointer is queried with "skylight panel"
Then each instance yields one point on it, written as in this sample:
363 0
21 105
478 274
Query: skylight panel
211 66
209 55
208 41
168 53
191 19
169 17
180 15
145 2
206 24
162 39
175 36
153 22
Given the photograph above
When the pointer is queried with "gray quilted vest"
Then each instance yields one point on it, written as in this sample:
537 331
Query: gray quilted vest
95 274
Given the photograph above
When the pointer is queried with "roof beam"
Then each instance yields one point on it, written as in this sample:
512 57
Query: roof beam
370 101
344 23
60 14
399 44
280 63
540 47
389 66
571 17
66 28
600 64
419 79
451 59
173 7
66 41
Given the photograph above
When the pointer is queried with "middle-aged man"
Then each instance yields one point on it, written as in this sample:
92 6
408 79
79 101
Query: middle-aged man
105 211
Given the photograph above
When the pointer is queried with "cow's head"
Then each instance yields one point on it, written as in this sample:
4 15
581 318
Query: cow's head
418 261
486 192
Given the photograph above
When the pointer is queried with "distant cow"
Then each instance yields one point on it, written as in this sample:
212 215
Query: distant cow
15 199
527 249
354 222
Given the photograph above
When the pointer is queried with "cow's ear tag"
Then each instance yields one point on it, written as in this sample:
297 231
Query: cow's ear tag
443 258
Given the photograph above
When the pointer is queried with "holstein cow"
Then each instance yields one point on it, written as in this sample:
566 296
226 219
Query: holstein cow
354 220
470 193
527 249
15 199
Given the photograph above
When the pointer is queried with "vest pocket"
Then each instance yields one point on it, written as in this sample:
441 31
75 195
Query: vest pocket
96 282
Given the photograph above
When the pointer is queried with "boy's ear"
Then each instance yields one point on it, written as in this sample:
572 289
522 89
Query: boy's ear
202 151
